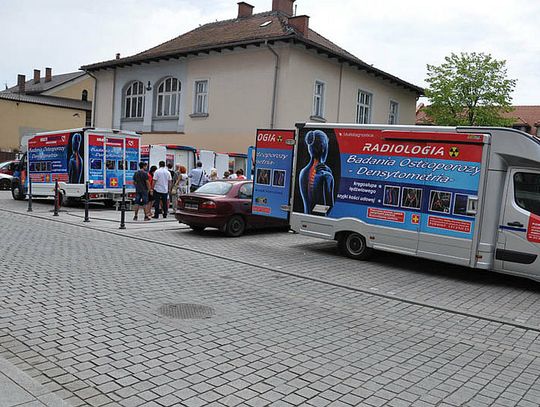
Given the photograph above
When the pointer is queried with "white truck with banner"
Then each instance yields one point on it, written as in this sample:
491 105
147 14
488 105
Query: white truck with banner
106 159
467 196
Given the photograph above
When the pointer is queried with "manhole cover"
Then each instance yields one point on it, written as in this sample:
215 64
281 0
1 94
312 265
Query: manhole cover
186 311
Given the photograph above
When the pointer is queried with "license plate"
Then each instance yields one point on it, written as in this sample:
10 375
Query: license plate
191 206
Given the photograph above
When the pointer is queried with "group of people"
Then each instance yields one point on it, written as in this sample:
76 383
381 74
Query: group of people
157 188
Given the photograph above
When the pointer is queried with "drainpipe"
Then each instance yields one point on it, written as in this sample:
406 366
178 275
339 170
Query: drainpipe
339 92
274 95
93 122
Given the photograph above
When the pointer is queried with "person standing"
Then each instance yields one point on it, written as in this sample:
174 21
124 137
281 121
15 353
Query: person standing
150 203
197 177
142 188
162 184
179 182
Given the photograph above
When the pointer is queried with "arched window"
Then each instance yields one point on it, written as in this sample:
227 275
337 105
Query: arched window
168 97
134 101
84 95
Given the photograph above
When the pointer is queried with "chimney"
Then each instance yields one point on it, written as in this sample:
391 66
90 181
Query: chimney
300 24
21 82
37 75
48 74
244 9
117 55
285 6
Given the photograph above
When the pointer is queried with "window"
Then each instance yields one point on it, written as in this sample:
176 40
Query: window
527 191
201 97
318 99
393 112
363 107
134 101
84 95
246 191
168 97
88 119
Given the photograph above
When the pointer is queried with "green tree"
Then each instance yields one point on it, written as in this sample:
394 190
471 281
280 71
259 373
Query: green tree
469 89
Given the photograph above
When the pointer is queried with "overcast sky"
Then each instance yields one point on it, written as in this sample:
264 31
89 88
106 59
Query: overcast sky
397 36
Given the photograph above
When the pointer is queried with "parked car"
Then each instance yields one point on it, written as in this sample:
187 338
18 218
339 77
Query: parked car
5 181
225 205
8 167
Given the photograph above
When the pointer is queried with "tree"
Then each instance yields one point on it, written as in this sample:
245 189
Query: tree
470 89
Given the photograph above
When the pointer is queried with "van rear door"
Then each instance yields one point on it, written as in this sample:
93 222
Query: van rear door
519 228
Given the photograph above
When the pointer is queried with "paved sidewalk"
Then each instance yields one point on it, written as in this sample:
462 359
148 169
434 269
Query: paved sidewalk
19 389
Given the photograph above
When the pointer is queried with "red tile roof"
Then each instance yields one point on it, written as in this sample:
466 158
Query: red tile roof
254 30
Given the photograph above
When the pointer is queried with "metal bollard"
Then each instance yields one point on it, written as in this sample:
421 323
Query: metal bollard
86 198
29 194
56 197
123 209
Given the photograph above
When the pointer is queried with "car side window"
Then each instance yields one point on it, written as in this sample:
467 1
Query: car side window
527 191
246 191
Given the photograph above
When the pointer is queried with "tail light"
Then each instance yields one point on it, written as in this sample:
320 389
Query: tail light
208 205
131 195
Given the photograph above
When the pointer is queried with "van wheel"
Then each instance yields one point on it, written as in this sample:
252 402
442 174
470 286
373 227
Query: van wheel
353 245
235 226
16 192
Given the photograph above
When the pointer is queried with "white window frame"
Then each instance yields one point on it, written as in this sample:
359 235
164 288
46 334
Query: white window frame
168 101
200 99
393 115
362 107
319 99
133 107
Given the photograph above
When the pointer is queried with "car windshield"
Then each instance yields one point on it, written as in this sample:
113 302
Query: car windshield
215 188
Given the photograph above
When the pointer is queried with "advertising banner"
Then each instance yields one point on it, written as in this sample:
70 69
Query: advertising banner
272 177
132 160
404 180
56 157
95 157
114 163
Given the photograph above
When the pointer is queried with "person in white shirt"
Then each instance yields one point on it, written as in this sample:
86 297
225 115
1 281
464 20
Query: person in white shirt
162 185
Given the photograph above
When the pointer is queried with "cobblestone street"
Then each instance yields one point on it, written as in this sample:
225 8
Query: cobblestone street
289 321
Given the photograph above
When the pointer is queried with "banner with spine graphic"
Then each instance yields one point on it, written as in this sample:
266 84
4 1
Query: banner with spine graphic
407 180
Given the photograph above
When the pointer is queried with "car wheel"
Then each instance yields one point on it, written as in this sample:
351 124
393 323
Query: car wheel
16 192
5 184
197 228
235 226
353 245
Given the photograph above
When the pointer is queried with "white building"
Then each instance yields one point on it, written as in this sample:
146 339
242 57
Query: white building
214 86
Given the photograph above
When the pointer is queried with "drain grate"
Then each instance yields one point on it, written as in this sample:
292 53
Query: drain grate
186 311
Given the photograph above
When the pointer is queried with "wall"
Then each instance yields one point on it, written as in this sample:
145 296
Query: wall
18 119
102 109
73 89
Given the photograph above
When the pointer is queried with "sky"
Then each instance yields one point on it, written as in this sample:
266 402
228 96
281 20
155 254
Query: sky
398 36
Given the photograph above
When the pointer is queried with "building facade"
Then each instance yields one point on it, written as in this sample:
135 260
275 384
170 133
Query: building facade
214 86
44 104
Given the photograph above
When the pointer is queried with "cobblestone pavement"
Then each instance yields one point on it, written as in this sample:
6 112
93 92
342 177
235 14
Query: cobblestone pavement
293 324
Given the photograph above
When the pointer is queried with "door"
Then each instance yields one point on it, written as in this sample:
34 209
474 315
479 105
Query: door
114 163
519 229
245 194
221 163
157 154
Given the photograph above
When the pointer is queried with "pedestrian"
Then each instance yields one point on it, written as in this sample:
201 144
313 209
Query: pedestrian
162 185
240 174
213 175
142 187
178 186
226 174
197 177
150 203
173 175
232 175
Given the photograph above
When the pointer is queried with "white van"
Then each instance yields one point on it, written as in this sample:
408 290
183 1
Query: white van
468 196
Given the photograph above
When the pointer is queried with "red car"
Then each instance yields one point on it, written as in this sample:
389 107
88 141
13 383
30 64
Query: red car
225 205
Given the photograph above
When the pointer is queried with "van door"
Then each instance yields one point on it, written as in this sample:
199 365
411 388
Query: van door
114 163
519 229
